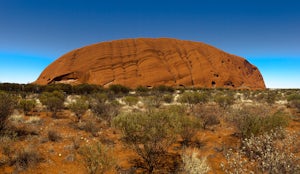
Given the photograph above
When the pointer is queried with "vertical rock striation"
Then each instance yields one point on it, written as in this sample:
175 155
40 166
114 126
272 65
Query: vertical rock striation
151 62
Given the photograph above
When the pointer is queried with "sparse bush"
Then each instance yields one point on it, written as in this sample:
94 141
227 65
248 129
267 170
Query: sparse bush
224 101
270 152
131 100
153 101
148 134
168 98
209 114
192 164
98 158
293 96
27 105
105 111
193 98
89 126
54 101
53 136
7 104
79 107
257 120
26 158
294 101
99 98
188 127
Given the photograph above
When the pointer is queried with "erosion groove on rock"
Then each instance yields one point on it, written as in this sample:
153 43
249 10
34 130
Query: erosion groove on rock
151 62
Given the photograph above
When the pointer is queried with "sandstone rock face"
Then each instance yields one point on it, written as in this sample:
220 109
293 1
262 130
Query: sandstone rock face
151 62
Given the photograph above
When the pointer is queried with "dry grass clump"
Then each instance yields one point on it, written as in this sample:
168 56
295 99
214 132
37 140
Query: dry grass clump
192 164
97 158
26 158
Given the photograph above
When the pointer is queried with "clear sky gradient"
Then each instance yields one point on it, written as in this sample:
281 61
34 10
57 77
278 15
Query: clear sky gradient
33 33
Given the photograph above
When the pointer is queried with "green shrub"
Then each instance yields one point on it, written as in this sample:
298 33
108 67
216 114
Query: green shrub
79 107
97 158
27 105
148 134
193 98
257 120
292 97
224 101
99 98
294 101
188 127
54 101
131 100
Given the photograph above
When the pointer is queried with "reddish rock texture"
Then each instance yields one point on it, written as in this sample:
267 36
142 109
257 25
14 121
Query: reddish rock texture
151 62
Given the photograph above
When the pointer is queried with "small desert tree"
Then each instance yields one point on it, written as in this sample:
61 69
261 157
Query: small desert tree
209 114
54 101
148 134
7 104
79 107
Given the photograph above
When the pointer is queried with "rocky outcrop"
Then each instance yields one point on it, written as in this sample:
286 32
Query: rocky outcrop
151 62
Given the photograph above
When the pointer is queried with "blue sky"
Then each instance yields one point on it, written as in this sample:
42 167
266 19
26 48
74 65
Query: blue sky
33 33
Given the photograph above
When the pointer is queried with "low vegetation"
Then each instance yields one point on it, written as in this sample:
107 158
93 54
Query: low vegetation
86 128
